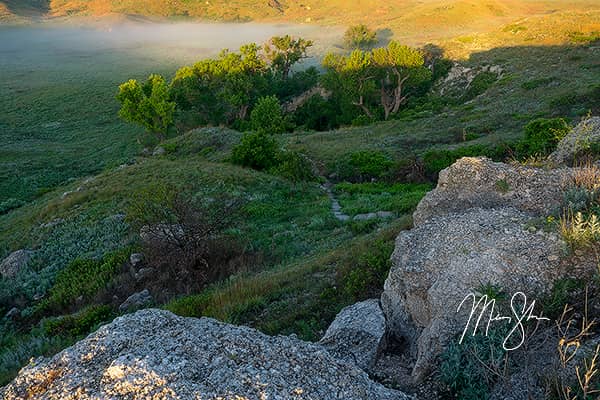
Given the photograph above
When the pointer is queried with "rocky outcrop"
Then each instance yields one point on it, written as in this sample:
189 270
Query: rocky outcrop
357 334
301 99
155 354
584 135
136 301
136 259
14 263
459 78
473 231
438 263
480 182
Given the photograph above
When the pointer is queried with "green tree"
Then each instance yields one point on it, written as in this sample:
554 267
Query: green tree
282 52
223 89
397 67
256 150
542 135
147 104
360 36
267 116
351 77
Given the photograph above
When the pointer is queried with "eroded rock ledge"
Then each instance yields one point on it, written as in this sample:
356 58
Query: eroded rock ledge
154 354
474 230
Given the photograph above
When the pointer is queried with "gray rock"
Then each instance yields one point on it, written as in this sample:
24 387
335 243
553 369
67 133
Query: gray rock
144 274
136 300
385 214
582 136
441 261
365 217
136 259
357 334
155 354
471 232
53 223
14 263
480 182
459 78
12 313
159 151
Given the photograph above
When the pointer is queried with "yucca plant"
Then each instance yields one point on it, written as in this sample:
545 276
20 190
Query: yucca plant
580 231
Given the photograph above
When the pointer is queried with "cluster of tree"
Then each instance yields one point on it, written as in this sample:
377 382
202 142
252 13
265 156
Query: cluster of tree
379 80
241 89
218 91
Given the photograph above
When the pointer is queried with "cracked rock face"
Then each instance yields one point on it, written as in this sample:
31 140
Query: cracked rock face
584 135
155 354
357 334
437 264
480 182
15 262
472 231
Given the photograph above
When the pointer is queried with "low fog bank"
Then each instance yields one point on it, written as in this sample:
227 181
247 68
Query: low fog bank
176 42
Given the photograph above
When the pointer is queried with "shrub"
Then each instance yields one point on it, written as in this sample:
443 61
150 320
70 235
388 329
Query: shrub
578 199
10 204
536 83
573 104
561 294
469 370
359 36
185 239
368 272
256 150
362 120
363 165
502 186
170 147
580 231
441 68
267 116
541 137
409 169
362 227
295 167
82 278
79 237
78 324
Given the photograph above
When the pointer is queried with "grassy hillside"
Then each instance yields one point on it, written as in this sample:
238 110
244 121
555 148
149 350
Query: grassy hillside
406 19
72 169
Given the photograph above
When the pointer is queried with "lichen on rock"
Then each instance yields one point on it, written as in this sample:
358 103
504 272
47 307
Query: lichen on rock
156 354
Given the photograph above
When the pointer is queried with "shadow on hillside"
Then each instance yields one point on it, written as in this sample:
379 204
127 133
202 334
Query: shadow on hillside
27 8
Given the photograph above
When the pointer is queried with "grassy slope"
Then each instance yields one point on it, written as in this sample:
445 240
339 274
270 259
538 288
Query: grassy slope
107 142
410 20
57 96
498 115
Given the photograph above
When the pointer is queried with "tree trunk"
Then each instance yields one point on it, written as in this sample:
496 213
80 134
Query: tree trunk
362 106
243 112
361 100
386 101
398 98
